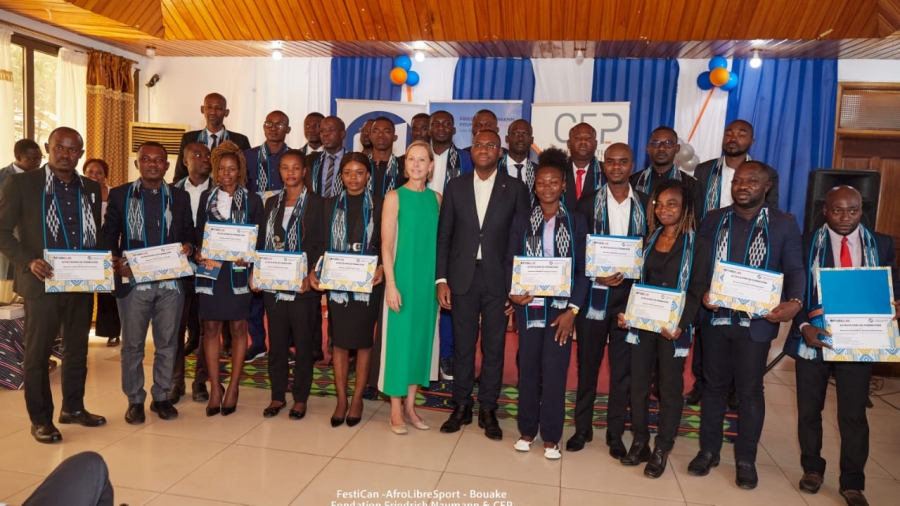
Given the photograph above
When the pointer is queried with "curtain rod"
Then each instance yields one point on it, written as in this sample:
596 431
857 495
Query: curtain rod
50 38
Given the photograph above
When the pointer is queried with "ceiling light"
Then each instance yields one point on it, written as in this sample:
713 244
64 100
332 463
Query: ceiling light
276 54
757 42
420 56
579 56
755 62
151 51
276 44
420 44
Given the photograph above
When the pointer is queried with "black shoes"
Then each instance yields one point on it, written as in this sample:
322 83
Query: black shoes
692 398
639 453
657 465
337 422
578 440
745 476
296 415
811 482
854 497
199 392
447 368
134 415
82 418
353 421
487 420
702 463
164 409
462 415
176 394
46 433
617 448
272 411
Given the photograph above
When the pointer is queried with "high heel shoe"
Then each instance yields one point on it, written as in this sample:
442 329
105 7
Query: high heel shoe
353 421
215 410
227 410
337 422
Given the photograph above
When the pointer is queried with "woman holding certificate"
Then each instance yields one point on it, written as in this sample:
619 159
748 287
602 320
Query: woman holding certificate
547 322
409 317
676 265
223 286
292 225
352 224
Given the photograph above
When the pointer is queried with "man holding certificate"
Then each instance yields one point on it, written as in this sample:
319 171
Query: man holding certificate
52 208
758 247
615 211
150 231
842 242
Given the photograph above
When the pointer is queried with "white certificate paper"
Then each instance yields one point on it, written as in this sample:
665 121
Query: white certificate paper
231 242
542 276
654 308
608 254
860 331
279 270
348 272
79 271
158 262
744 288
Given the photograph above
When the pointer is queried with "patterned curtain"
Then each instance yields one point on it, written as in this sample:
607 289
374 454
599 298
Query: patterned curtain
110 108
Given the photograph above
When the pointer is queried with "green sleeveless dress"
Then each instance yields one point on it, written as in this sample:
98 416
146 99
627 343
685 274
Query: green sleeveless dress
408 350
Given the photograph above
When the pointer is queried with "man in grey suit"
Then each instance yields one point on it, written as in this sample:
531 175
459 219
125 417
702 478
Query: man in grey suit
28 157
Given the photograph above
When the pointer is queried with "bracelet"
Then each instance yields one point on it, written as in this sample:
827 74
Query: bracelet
798 301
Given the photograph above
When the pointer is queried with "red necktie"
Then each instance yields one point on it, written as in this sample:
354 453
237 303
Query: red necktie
845 254
579 181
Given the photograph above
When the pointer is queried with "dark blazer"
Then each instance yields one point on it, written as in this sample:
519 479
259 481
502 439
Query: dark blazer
310 161
378 178
312 240
21 212
459 233
701 272
689 182
702 172
465 161
784 256
517 232
590 185
117 216
5 172
181 170
328 218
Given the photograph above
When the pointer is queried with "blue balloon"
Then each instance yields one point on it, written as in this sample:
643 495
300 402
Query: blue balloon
703 82
731 84
718 62
412 78
403 61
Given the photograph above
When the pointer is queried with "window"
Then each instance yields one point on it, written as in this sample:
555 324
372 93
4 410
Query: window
34 82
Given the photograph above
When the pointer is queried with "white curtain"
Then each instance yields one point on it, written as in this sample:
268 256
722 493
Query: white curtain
7 94
71 90
689 100
435 80
561 80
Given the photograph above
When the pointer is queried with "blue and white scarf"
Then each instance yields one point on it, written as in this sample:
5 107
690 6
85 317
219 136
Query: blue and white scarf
756 255
203 137
714 187
136 230
562 247
337 185
528 171
340 230
389 179
643 182
454 166
293 232
264 167
240 213
55 236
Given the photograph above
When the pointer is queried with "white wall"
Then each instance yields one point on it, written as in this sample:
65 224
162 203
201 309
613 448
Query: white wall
869 71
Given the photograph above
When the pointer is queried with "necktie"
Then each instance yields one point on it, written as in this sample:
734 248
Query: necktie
845 254
215 141
519 171
329 188
579 181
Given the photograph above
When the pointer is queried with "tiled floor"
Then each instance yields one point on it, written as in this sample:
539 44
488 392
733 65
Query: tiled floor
245 459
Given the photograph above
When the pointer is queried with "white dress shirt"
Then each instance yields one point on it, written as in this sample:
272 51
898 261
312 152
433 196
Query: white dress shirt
619 214
853 243
575 174
194 193
483 188
725 199
220 137
440 171
513 171
223 204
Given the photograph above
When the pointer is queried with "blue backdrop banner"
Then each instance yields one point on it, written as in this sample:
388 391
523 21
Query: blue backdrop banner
362 79
495 79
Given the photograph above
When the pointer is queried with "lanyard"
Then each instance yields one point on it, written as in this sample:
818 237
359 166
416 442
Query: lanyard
62 223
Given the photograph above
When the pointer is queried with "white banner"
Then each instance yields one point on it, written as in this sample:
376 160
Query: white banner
356 112
552 122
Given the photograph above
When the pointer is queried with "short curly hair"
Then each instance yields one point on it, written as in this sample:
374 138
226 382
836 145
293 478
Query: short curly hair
226 149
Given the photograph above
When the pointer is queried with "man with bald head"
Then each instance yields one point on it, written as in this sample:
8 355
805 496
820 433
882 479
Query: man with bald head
845 243
585 174
52 208
323 169
263 176
214 111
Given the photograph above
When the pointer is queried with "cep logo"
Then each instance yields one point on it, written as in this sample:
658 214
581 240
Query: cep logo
607 123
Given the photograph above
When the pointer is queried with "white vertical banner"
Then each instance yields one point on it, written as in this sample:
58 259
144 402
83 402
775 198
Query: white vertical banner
435 80
552 122
7 96
559 80
71 90
354 113
464 111
696 107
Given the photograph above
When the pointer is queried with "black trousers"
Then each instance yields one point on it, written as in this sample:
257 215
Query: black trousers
731 355
852 382
189 316
697 359
466 309
46 316
108 323
592 338
656 354
291 323
80 480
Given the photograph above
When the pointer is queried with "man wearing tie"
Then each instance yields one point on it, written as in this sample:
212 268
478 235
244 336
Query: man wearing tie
214 110
585 173
324 178
473 232
515 162
843 242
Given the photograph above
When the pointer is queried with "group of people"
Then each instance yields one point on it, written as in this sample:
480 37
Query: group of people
462 215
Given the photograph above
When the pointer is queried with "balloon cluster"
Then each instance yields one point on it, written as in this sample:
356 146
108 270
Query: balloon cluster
686 158
401 73
718 76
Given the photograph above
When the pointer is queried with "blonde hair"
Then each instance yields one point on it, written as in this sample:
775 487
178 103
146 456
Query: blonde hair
226 149
420 144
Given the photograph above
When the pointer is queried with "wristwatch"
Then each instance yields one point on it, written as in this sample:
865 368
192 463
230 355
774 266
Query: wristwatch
574 309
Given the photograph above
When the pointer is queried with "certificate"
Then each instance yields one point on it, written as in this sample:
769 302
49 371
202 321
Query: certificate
860 331
542 276
609 254
230 242
79 271
279 270
157 263
744 288
654 308
347 272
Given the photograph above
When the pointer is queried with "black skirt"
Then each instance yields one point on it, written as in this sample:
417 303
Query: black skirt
353 322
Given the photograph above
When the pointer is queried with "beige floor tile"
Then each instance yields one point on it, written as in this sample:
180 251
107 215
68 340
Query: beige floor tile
257 476
574 497
780 395
428 449
10 424
366 476
880 406
785 450
177 500
787 377
192 423
314 435
326 405
12 403
21 453
718 487
689 447
887 456
513 492
772 379
883 429
476 455
150 462
12 483
133 497
877 491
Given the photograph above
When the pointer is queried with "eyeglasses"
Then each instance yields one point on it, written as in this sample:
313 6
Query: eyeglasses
479 145
279 125
667 144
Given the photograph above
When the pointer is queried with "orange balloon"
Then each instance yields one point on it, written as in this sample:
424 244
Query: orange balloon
719 76
398 76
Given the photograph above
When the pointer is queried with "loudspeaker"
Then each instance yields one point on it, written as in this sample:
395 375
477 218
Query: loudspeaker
867 182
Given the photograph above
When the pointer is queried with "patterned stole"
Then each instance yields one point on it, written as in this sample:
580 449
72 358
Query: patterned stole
136 230
180 184
53 219
317 188
536 316
389 179
643 182
595 169
204 137
756 255
264 174
683 343
340 242
293 232
600 225
528 171
240 213
454 166
714 186
817 255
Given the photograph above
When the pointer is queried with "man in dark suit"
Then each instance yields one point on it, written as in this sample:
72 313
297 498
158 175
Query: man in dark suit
323 176
214 110
473 232
143 214
661 150
841 242
735 344
311 125
388 173
585 173
27 158
53 208
484 119
516 162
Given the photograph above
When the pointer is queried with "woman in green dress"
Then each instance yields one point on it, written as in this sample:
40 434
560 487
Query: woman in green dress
409 223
